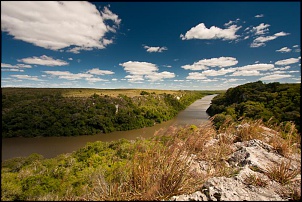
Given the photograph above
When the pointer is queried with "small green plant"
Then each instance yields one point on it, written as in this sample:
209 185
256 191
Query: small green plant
255 168
253 179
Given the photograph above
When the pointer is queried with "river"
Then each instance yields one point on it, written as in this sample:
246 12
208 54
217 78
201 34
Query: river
50 147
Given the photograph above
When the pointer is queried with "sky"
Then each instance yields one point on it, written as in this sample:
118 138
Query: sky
149 45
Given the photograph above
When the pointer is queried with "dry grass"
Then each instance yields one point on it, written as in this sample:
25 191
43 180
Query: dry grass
249 130
112 92
161 166
282 173
286 140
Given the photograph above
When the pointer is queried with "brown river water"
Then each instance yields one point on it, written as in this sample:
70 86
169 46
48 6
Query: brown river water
50 147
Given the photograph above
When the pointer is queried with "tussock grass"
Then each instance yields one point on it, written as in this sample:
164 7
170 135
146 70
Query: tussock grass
283 172
286 140
158 169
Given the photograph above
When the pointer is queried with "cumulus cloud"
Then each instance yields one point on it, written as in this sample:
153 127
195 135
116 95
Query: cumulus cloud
97 71
275 77
138 71
260 29
160 76
231 22
212 62
27 77
58 24
246 73
284 50
43 60
260 41
202 32
259 66
259 16
94 79
17 66
204 75
252 70
68 75
196 76
288 61
151 49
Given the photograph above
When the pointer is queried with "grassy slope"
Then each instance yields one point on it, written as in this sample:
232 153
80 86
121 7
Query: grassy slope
146 169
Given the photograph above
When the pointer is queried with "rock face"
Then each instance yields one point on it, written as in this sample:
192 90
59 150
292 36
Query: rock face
253 158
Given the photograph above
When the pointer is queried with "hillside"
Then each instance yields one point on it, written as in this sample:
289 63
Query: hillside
274 103
245 161
32 112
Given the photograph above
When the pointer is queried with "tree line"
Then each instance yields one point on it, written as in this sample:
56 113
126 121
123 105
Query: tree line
274 103
49 113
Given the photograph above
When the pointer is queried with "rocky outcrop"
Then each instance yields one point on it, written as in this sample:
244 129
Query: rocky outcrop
253 158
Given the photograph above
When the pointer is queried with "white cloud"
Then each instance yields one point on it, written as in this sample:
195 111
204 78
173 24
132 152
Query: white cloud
287 61
203 75
232 80
99 71
12 70
282 68
212 62
275 77
252 70
201 32
43 60
259 66
295 46
259 16
231 22
27 77
94 79
140 70
160 76
246 73
196 76
284 50
260 41
56 25
260 29
68 75
155 49
17 66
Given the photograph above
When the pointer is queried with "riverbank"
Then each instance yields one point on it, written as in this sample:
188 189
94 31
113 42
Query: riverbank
50 147
243 161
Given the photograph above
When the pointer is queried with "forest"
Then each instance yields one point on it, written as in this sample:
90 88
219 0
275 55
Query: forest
274 103
50 112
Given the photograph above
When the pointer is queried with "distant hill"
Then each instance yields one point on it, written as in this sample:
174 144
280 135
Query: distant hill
273 102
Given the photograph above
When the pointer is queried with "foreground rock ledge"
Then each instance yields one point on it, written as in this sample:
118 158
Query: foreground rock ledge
248 154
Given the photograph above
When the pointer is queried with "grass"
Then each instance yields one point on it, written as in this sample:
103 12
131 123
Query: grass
255 180
283 172
160 167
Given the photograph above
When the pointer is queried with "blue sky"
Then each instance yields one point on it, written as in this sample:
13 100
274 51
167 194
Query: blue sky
149 45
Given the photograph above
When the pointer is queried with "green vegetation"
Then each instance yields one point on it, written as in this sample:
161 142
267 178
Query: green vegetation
274 103
30 112
145 169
